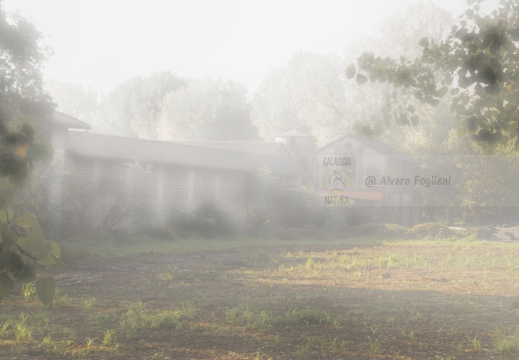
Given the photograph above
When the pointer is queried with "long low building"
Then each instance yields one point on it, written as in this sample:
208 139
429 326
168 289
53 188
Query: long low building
100 171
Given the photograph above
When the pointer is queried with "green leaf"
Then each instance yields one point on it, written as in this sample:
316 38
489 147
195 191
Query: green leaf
361 79
13 166
15 139
47 260
53 258
424 42
351 71
27 220
45 290
6 285
12 264
6 215
27 130
7 198
9 238
59 263
36 243
25 274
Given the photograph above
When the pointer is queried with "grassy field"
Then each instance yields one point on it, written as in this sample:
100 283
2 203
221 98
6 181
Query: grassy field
272 299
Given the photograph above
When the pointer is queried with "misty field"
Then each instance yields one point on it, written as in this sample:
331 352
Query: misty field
344 299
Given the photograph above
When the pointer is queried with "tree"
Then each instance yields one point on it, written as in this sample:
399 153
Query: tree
308 95
133 107
73 99
476 66
22 101
207 109
22 54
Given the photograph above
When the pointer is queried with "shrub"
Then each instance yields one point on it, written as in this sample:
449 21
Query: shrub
396 230
391 231
208 220
156 231
370 229
305 232
432 230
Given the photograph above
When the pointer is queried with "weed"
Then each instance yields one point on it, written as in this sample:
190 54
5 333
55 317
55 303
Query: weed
89 304
302 351
172 319
89 343
3 329
374 346
63 300
310 264
232 315
336 347
48 346
133 319
28 291
166 277
408 335
108 337
22 333
373 329
508 345
476 344
306 316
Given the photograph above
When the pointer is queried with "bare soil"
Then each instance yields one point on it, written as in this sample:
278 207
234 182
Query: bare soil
404 300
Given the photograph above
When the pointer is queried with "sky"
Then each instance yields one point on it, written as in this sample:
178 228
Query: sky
101 43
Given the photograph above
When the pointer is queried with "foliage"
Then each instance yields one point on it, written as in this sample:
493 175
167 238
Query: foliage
304 232
73 99
22 99
432 230
476 66
157 232
388 231
209 220
133 107
22 244
22 55
207 110
308 95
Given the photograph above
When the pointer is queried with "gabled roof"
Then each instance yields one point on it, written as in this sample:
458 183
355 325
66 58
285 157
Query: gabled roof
374 144
117 148
68 121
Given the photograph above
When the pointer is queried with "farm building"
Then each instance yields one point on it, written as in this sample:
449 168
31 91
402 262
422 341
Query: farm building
184 174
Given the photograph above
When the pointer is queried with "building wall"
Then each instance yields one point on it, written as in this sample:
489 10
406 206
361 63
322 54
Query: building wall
93 186
395 207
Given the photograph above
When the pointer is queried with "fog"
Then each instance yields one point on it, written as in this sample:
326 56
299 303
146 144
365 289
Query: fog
225 39
259 180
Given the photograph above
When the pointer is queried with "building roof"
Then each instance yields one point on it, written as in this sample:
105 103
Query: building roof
256 147
68 121
374 144
222 156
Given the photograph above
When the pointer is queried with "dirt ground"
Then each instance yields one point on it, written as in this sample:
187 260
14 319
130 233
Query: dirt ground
405 300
